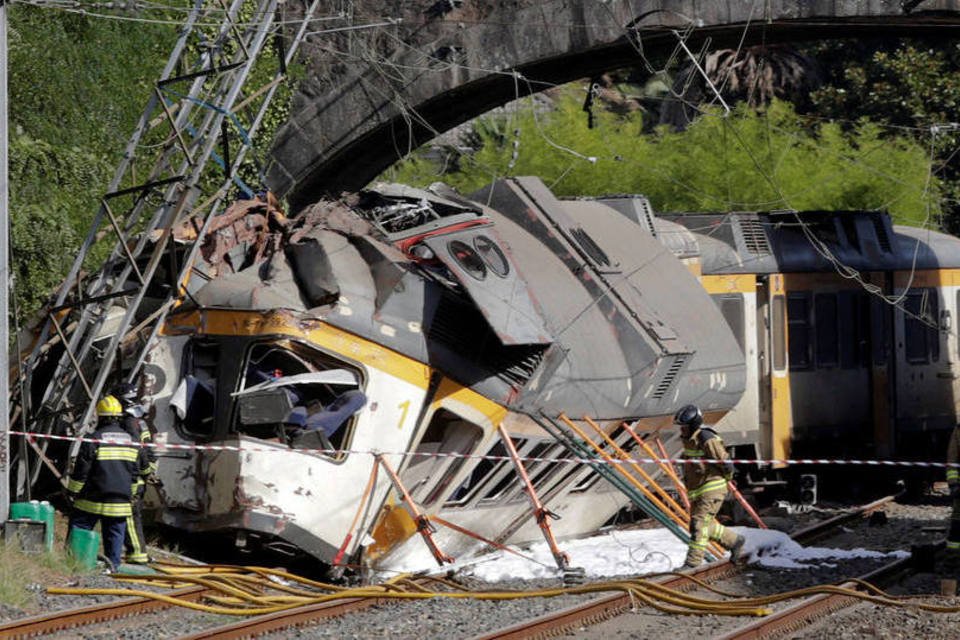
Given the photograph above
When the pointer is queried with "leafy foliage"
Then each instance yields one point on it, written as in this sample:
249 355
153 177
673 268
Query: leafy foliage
911 86
77 87
743 161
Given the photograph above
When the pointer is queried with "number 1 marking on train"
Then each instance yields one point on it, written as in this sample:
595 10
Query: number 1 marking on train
404 407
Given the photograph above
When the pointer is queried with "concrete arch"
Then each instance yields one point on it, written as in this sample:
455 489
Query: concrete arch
370 98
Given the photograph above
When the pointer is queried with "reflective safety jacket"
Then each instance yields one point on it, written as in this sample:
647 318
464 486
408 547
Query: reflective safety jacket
705 477
137 427
104 472
953 456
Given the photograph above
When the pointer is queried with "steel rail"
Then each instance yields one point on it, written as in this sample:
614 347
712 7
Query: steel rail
284 619
93 614
800 614
610 606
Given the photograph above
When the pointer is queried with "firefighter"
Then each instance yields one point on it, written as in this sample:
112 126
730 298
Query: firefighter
706 484
953 481
102 478
134 543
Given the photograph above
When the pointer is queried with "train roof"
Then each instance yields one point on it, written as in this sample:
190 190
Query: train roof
537 303
812 241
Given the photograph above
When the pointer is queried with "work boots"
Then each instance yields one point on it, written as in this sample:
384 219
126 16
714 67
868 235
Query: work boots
736 551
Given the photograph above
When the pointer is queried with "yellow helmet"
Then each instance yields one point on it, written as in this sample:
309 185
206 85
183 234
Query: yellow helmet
110 407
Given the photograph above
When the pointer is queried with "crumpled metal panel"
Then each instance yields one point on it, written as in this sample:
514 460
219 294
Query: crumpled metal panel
476 257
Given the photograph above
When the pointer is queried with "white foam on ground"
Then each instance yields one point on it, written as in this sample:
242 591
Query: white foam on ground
646 551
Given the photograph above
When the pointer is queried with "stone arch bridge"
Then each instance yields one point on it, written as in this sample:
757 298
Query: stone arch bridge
391 75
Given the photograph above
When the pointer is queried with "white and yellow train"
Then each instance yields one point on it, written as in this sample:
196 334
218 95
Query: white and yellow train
411 324
450 317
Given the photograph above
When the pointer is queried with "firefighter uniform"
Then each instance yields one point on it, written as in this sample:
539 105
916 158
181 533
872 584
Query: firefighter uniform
102 479
134 542
953 480
706 484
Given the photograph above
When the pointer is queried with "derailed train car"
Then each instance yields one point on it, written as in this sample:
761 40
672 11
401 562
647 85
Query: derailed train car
412 324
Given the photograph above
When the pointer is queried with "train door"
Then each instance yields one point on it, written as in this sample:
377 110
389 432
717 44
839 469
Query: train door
829 360
457 422
925 389
773 395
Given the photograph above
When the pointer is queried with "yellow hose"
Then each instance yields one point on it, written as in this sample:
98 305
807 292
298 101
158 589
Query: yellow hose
246 591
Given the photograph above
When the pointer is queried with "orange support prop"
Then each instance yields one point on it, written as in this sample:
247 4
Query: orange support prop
746 505
539 511
677 514
676 508
680 521
424 526
676 474
664 466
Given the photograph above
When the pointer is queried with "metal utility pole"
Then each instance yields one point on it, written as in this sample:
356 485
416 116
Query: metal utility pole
4 279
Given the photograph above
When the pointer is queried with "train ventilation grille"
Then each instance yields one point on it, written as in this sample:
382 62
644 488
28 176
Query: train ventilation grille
460 327
517 371
669 377
645 213
754 236
882 237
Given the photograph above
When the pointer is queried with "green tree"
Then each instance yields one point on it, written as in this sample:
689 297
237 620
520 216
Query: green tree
911 87
742 161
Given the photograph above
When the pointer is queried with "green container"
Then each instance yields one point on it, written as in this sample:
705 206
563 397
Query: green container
46 514
84 545
25 511
38 512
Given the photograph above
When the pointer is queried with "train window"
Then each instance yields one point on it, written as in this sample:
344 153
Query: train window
509 480
779 334
825 327
446 433
853 315
482 473
731 307
196 397
798 322
920 328
542 470
297 394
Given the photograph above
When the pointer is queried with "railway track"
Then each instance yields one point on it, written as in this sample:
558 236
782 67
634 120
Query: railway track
805 611
111 612
607 607
44 624
595 610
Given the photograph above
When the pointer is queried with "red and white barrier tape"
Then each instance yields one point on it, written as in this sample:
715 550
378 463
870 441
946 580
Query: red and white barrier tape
162 447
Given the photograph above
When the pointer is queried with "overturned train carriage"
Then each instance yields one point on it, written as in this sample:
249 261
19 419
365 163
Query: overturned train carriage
413 323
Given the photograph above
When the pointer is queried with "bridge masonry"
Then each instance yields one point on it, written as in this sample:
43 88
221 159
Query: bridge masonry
406 72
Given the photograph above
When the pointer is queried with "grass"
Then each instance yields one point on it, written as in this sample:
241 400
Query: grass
23 575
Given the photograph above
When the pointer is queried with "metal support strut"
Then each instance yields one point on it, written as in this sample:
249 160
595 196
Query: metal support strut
541 513
424 527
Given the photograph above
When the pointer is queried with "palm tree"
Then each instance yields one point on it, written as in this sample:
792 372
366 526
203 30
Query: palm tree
754 75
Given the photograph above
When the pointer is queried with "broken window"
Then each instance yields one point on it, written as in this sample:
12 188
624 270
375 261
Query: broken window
511 482
298 395
482 473
196 398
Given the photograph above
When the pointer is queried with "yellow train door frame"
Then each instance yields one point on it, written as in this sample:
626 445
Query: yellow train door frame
775 412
